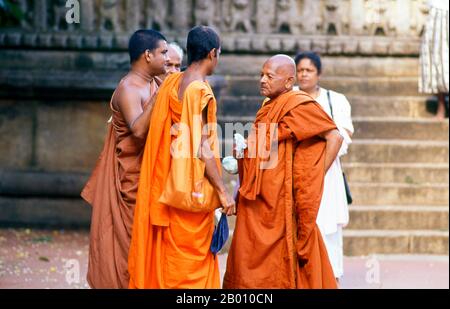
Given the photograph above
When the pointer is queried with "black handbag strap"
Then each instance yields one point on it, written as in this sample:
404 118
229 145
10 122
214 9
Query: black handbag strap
329 103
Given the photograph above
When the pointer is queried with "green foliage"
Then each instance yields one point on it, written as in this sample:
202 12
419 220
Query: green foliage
10 13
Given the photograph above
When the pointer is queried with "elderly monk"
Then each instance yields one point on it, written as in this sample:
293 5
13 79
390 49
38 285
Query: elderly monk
175 55
276 242
180 184
112 188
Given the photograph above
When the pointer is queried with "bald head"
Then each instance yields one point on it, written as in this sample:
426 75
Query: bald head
277 76
282 64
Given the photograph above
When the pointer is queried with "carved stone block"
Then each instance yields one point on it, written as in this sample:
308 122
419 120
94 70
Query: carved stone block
381 47
106 41
288 45
59 40
335 46
14 39
90 41
45 40
121 41
227 43
75 41
286 19
273 44
30 40
304 44
350 46
265 16
319 46
109 15
258 44
243 44
241 13
366 47
2 39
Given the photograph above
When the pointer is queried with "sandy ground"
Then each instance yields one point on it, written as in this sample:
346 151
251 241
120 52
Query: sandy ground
43 259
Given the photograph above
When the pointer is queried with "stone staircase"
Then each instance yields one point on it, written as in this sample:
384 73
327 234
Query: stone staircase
398 165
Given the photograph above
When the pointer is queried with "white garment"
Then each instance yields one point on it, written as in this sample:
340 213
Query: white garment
333 209
439 4
434 55
335 249
333 212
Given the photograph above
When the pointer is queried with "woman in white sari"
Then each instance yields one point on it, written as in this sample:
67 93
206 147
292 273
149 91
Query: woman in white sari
333 212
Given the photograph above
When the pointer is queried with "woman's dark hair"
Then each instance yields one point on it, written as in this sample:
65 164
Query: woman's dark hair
200 41
314 57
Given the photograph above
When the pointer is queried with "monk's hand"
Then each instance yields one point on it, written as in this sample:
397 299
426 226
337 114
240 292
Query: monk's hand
228 203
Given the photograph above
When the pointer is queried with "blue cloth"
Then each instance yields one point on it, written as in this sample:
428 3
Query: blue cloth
220 235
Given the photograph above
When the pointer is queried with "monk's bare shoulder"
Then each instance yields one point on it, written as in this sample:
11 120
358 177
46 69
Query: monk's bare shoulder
127 92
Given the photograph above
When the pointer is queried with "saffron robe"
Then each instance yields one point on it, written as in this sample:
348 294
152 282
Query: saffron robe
111 190
170 247
276 242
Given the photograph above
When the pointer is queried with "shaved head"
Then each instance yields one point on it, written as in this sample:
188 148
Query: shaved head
277 76
282 64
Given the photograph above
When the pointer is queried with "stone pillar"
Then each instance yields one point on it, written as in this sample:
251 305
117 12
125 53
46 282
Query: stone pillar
311 17
357 17
133 15
87 22
40 15
181 12
402 16
265 17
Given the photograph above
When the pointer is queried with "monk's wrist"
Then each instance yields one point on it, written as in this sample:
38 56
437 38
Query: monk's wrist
221 191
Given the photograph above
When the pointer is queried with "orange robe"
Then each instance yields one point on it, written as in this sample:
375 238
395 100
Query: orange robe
276 242
111 190
170 247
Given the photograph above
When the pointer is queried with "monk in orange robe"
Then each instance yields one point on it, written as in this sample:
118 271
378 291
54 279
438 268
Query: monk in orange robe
180 184
276 242
112 187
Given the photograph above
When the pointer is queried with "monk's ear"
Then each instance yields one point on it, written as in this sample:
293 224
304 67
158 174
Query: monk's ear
290 82
148 56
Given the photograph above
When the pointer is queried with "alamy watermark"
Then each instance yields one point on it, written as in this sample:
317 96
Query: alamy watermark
373 273
72 268
73 12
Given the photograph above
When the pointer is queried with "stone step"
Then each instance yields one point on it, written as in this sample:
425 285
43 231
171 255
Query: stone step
42 184
397 151
362 106
367 242
399 106
377 127
398 218
228 64
400 128
44 212
398 173
382 86
331 66
378 151
399 194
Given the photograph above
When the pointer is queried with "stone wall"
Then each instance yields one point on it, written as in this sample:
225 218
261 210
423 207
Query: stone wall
386 27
